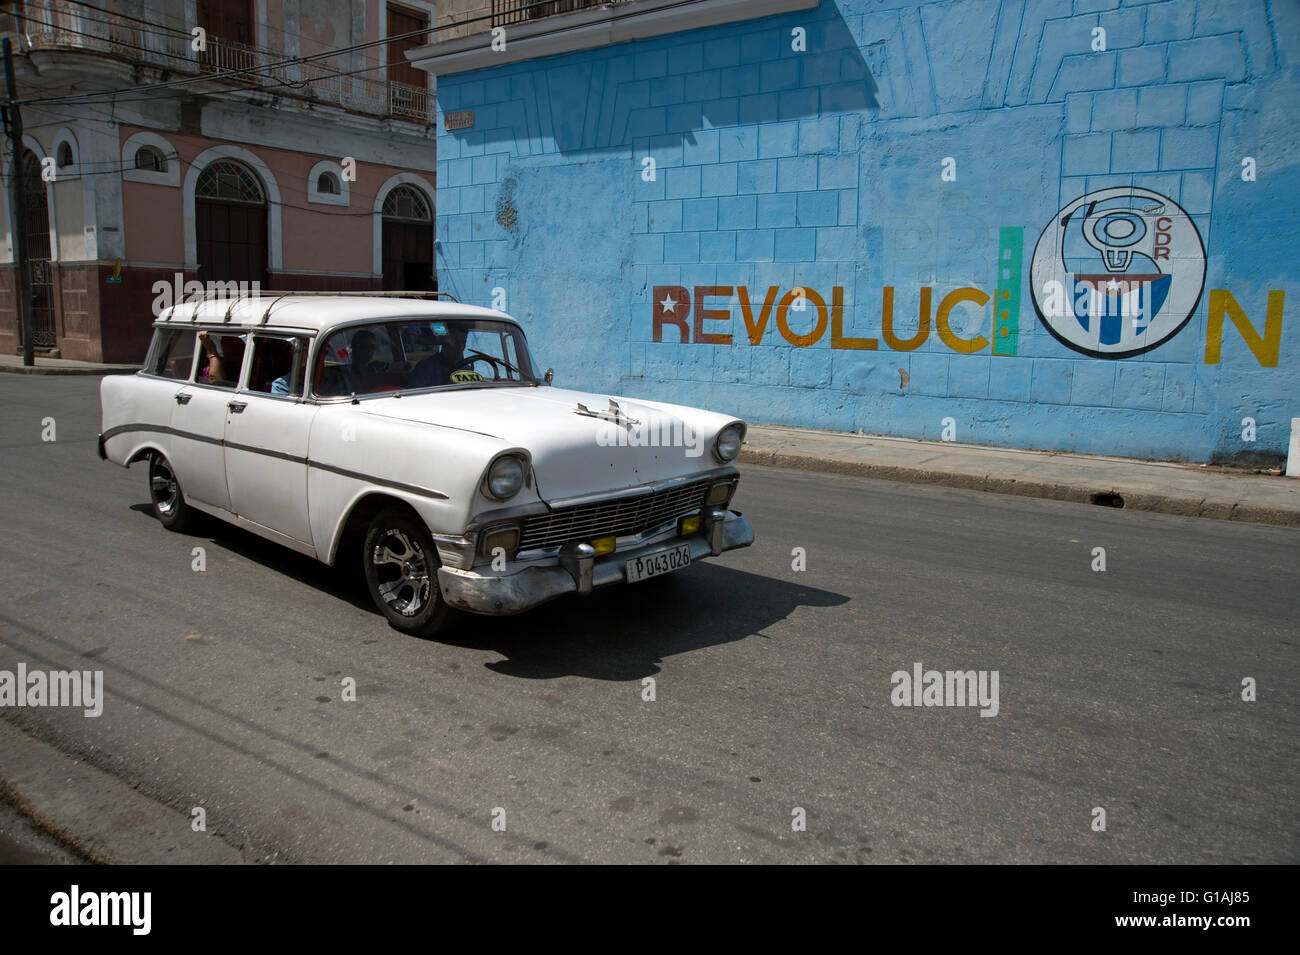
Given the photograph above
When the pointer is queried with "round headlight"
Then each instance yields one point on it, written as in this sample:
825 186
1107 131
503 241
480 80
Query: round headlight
728 444
505 477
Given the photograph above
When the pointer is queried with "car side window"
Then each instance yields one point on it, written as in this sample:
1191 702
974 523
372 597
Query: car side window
173 354
278 364
221 358
358 360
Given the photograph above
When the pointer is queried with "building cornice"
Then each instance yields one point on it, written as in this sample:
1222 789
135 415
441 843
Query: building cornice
591 28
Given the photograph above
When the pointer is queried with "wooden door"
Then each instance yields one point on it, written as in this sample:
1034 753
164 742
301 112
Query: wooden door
402 20
231 241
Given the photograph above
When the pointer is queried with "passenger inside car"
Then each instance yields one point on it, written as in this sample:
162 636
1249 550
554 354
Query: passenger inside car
272 365
225 357
361 373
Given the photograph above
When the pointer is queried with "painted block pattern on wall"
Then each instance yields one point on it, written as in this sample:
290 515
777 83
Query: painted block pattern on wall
886 169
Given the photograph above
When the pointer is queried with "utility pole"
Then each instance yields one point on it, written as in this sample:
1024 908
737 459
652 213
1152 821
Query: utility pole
13 122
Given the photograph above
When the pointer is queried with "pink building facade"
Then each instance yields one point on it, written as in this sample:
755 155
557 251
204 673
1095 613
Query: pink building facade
236 162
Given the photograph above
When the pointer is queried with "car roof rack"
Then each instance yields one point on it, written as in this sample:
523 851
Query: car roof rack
283 293
362 294
279 294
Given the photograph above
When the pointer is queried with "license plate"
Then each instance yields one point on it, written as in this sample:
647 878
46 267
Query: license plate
660 562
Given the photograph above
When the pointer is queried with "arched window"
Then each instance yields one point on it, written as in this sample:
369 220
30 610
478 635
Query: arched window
229 181
327 184
65 154
407 204
150 159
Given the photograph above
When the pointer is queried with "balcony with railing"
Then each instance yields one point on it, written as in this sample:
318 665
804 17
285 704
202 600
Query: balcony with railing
59 26
506 12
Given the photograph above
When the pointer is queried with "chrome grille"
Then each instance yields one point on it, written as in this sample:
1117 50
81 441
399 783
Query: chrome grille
622 517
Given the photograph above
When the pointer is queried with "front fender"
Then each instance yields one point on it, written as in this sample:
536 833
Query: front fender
436 471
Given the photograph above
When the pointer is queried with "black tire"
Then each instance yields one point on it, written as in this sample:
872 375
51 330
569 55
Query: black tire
165 493
401 567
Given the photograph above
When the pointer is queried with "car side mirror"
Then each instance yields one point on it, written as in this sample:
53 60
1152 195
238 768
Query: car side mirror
549 376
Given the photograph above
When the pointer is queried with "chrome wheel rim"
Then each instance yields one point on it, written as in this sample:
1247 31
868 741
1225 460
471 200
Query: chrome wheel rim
401 572
162 483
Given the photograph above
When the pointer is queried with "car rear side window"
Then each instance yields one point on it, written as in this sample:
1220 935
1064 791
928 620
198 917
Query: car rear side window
174 354
279 365
222 359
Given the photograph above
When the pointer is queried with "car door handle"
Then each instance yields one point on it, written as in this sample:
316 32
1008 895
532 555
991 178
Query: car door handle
183 397
237 406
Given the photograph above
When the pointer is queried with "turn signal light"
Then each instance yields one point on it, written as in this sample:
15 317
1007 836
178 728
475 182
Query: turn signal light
688 525
605 545
718 494
507 539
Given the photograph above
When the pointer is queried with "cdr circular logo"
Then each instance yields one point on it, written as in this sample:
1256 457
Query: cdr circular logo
1118 272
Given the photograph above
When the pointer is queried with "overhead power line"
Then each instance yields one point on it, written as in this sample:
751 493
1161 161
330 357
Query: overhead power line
289 61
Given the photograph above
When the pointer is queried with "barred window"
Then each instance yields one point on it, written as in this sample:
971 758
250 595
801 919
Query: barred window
150 159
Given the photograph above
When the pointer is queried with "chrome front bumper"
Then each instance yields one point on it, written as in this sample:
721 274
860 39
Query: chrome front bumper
579 570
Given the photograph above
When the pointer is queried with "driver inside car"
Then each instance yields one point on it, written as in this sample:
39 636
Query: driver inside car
436 369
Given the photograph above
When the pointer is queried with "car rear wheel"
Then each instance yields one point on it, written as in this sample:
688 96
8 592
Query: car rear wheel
401 566
165 492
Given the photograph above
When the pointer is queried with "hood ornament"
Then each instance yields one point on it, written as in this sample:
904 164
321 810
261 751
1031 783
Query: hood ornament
614 413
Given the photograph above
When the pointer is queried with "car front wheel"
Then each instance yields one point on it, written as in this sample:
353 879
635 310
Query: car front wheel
165 492
401 566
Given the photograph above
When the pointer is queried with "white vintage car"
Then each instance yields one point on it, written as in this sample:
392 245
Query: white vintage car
414 434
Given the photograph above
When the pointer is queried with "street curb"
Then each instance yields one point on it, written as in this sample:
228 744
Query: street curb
1222 509
47 370
97 814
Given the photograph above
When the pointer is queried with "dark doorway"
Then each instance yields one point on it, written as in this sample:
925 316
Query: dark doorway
35 238
231 34
231 223
228 19
408 241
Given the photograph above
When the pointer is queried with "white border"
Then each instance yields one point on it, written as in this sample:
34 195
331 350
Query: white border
401 179
344 198
171 176
275 241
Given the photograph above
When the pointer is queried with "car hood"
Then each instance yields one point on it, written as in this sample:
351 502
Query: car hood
573 453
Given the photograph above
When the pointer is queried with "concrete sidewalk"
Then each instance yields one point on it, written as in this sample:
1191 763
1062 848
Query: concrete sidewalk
98 815
62 366
1187 489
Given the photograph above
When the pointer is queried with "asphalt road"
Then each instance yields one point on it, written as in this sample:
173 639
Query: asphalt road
1118 689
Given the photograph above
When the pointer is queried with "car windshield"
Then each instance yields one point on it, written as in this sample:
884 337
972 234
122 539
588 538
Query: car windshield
426 353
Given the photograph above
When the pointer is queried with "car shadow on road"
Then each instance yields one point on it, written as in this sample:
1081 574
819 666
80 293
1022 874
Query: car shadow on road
339 581
625 632
618 633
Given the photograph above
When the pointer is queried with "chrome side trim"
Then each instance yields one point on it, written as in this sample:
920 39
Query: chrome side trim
319 465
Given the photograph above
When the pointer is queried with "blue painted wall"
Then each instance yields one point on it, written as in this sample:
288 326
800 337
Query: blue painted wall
824 168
